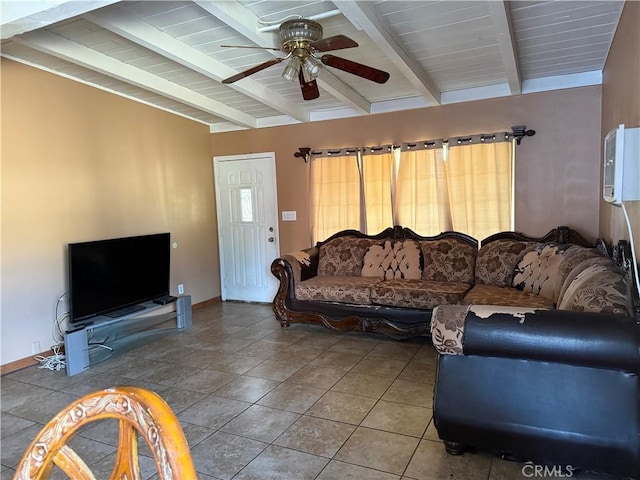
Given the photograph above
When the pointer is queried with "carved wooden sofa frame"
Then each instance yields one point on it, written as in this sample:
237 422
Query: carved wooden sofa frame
395 322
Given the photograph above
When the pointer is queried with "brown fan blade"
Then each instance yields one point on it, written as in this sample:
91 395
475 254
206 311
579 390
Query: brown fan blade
252 70
355 68
337 42
309 89
250 46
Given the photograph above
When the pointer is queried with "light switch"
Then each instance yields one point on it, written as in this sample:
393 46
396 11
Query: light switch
289 216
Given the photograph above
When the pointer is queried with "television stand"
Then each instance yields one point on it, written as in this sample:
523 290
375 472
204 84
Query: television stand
106 336
121 312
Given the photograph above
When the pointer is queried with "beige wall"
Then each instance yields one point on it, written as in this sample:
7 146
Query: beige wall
81 164
557 172
621 104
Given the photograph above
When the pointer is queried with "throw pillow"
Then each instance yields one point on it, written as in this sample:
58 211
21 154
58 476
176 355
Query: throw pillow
343 256
598 288
538 271
393 260
448 260
496 261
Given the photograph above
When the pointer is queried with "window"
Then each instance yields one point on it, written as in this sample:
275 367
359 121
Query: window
335 195
466 187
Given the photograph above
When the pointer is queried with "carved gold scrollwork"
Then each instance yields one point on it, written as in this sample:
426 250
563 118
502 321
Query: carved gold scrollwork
50 446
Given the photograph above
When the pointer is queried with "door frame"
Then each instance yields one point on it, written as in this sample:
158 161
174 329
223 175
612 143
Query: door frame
270 159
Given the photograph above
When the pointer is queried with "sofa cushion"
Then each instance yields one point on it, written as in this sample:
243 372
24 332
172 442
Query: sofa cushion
400 259
496 261
538 271
493 295
343 256
337 289
448 260
579 268
574 256
417 293
597 288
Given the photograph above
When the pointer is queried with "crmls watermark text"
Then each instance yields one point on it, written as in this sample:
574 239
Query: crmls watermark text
531 470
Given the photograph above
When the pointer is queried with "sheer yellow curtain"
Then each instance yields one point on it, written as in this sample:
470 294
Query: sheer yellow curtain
479 182
335 195
421 200
376 174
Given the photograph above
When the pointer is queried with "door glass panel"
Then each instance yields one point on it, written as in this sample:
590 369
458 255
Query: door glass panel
246 211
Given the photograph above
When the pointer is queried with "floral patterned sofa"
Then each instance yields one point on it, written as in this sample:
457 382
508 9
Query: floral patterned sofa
391 282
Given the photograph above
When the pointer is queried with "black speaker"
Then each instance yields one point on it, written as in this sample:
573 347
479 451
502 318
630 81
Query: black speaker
183 307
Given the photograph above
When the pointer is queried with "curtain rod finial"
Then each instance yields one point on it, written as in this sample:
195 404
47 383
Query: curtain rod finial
519 132
303 152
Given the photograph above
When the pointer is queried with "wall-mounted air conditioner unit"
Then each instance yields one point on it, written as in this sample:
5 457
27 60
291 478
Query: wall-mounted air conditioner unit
621 176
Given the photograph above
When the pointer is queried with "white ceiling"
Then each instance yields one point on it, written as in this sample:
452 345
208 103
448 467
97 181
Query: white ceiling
168 53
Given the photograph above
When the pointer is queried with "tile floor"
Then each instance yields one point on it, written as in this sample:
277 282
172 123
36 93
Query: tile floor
260 402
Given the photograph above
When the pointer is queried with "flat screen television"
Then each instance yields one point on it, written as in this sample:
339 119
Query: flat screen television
113 277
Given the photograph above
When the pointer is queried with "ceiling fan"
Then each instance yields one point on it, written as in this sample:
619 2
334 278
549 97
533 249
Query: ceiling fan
301 40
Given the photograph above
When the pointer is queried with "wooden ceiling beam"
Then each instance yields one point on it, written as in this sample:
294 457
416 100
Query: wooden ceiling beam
75 53
141 33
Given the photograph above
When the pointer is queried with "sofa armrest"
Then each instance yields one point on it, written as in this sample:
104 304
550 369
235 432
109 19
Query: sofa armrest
294 268
598 340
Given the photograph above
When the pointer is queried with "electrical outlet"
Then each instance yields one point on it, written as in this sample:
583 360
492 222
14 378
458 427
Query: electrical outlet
35 348
180 289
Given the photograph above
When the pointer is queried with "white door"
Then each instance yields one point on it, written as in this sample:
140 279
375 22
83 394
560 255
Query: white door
247 225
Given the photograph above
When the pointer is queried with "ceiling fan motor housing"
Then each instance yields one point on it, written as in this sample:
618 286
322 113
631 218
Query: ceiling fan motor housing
299 33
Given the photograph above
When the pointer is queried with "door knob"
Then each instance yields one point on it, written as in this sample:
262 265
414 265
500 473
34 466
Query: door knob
270 239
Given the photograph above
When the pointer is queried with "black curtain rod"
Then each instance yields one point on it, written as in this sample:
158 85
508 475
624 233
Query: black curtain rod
517 132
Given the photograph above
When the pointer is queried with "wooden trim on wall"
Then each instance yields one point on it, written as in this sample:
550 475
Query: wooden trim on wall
22 363
206 303
30 360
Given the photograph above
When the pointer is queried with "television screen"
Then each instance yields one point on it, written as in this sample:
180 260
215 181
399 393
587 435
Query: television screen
106 276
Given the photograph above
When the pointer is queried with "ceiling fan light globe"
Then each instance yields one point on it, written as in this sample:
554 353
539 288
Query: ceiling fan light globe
311 67
292 70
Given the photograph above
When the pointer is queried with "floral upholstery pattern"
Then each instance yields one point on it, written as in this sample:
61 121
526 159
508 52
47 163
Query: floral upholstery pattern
417 293
448 260
496 261
598 288
574 256
447 328
538 271
337 289
401 259
494 295
343 256
577 270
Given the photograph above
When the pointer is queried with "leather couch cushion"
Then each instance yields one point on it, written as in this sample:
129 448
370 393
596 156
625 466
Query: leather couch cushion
400 259
448 260
497 260
508 296
417 293
354 289
343 256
